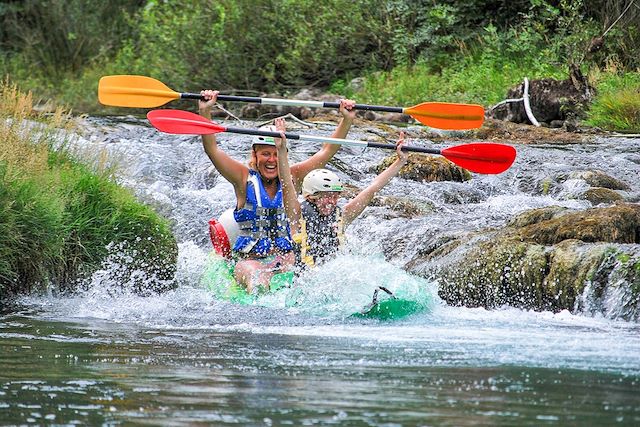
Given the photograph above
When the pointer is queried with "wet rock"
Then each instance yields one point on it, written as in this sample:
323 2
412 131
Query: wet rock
399 207
458 194
402 207
601 195
574 185
423 168
618 224
502 131
596 178
613 290
535 216
544 259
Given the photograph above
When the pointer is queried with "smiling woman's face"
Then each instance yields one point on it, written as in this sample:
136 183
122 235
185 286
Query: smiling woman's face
266 161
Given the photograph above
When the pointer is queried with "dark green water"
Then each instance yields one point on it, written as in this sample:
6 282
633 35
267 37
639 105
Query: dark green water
194 366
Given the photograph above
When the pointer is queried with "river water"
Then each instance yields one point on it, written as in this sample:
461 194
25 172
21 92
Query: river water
107 356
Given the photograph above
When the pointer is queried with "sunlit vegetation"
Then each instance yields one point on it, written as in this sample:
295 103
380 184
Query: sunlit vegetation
57 216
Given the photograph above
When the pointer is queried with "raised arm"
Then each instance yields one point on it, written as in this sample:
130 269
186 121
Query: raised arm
322 157
356 205
232 170
289 193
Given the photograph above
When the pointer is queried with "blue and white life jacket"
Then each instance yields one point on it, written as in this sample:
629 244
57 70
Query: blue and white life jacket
262 221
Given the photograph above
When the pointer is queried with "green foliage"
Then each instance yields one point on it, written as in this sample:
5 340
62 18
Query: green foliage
251 45
482 76
98 212
59 36
423 30
617 104
30 220
56 231
482 70
57 216
618 19
456 49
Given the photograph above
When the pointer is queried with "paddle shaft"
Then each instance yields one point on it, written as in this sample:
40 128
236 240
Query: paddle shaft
293 102
486 158
346 142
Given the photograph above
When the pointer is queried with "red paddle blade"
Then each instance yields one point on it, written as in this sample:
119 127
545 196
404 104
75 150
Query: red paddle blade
486 158
182 122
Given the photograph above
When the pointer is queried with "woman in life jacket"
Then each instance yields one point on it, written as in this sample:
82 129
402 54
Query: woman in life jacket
317 223
264 246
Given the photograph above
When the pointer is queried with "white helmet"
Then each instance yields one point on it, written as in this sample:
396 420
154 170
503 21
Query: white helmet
265 140
320 180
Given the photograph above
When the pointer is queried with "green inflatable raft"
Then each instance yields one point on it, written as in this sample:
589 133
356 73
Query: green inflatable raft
383 305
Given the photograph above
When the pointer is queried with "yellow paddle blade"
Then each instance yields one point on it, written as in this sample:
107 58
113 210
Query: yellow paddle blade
134 91
443 115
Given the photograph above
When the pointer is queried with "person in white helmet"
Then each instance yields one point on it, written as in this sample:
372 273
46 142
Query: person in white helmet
317 223
264 246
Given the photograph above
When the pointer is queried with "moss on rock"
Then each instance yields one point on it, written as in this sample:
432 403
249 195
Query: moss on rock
599 195
423 168
543 260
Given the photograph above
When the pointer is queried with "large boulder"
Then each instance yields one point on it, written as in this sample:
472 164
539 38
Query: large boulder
593 185
423 168
545 259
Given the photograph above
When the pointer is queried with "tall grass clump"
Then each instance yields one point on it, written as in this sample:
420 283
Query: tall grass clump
57 216
482 73
617 103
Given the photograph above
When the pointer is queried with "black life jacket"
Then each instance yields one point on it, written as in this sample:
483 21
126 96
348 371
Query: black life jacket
320 236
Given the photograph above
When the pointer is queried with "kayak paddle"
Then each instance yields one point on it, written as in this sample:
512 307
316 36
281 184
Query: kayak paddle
487 158
146 92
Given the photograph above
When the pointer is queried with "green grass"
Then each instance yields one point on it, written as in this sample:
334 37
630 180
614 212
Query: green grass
481 83
57 216
617 103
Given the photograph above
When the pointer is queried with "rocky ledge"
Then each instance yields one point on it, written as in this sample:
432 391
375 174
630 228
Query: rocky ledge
545 259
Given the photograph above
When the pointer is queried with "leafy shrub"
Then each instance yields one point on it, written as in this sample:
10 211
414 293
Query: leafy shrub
249 45
60 36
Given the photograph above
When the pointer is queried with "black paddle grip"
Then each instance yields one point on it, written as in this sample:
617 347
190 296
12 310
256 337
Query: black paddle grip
365 107
404 148
223 98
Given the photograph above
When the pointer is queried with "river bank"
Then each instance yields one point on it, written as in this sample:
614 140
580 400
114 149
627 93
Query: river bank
62 218
184 357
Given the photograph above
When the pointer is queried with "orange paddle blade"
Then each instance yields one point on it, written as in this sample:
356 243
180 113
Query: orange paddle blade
134 91
444 115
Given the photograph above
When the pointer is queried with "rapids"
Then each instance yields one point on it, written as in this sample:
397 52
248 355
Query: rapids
108 356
